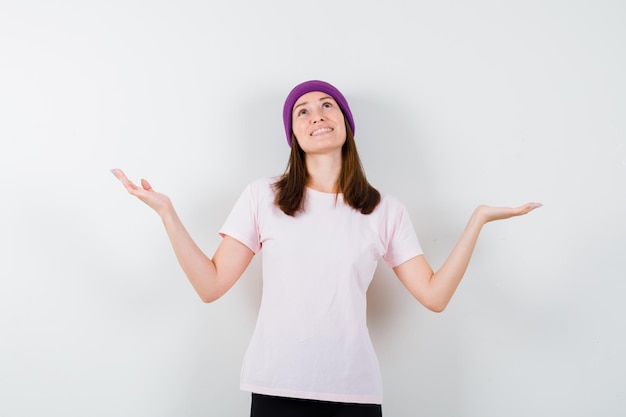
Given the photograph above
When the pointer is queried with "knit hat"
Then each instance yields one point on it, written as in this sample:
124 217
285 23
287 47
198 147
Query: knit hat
307 87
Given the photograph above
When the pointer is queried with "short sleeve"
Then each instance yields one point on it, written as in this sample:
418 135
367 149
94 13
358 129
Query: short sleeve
242 222
402 243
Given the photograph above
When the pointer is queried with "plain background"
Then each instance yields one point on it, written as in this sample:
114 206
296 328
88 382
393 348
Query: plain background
457 103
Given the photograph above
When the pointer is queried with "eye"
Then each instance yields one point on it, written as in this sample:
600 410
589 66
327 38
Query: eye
327 105
301 112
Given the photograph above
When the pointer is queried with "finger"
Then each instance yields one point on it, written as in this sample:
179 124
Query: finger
119 174
528 207
146 185
532 206
128 184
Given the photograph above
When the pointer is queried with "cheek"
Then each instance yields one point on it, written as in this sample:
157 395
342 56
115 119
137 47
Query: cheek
342 126
297 132
298 128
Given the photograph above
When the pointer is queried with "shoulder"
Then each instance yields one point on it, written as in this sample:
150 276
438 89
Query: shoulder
390 210
262 182
263 187
389 202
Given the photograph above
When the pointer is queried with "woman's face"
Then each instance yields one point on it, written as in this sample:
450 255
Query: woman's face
318 123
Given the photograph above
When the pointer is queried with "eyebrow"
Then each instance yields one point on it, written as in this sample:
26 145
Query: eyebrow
306 102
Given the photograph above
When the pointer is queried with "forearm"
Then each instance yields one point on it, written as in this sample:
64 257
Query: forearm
199 268
435 289
211 278
445 281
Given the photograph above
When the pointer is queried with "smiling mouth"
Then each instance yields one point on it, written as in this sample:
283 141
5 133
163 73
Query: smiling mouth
321 131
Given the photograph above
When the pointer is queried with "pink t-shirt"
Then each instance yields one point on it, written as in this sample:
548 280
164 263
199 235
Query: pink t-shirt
311 339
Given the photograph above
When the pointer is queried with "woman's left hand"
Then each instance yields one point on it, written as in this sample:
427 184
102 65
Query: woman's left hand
488 214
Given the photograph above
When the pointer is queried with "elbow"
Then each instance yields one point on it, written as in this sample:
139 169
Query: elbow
209 297
436 306
210 293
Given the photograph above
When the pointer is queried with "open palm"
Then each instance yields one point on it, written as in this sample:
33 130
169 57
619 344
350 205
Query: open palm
157 201
489 213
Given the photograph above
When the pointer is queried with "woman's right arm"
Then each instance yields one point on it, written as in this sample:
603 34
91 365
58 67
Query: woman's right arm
211 278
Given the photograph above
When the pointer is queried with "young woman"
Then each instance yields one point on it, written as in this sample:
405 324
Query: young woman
322 228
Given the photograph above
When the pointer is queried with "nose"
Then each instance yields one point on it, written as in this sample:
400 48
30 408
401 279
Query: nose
317 118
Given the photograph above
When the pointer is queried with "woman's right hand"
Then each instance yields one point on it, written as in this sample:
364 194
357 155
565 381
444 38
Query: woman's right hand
157 201
211 278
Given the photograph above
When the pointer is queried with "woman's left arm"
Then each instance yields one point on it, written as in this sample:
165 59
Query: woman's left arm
435 289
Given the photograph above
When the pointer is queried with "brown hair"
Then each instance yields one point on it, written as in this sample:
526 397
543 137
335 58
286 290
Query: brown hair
357 192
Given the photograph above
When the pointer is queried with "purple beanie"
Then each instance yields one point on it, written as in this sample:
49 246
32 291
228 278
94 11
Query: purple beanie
307 87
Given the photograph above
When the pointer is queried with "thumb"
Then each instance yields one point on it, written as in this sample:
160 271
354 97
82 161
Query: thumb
146 185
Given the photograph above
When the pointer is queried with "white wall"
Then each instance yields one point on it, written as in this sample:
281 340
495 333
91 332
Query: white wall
456 104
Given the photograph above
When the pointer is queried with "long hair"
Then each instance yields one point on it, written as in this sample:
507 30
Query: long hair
357 191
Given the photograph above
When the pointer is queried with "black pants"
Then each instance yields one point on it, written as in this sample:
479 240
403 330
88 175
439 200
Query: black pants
270 406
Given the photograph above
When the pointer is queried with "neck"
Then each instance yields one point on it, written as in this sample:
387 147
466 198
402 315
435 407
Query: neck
324 172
